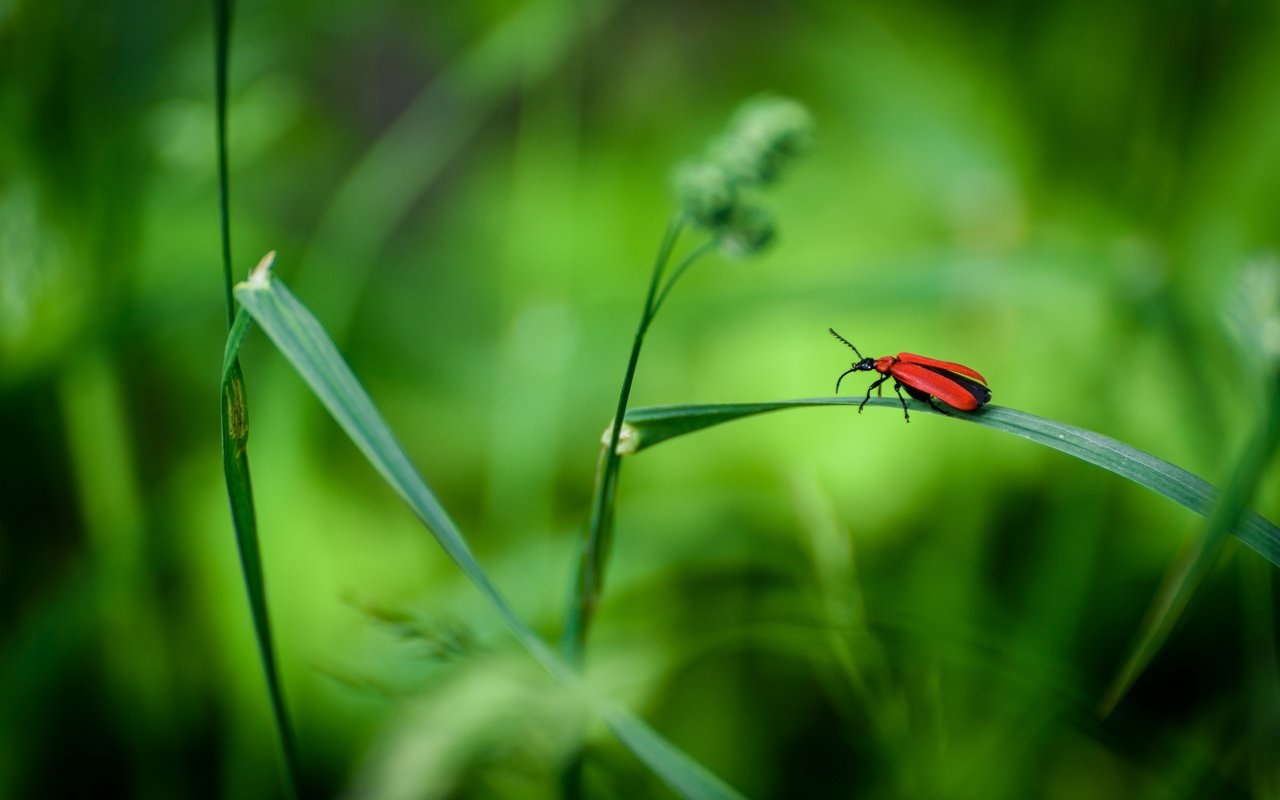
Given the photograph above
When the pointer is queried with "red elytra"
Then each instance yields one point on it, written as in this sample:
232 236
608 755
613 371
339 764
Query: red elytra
924 379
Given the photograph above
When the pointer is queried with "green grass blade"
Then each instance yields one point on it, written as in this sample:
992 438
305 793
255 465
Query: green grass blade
306 345
594 554
235 420
302 340
235 337
221 54
684 775
648 426
1191 567
235 466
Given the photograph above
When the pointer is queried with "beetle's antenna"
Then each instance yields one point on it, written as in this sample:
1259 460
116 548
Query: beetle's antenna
846 372
846 341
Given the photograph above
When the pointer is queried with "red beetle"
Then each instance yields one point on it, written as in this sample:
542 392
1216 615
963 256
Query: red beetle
923 378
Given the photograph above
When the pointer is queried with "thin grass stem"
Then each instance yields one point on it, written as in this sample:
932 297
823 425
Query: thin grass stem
235 425
684 264
222 32
596 543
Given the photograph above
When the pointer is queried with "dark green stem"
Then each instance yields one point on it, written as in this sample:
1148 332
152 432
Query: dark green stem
600 526
235 426
684 264
222 34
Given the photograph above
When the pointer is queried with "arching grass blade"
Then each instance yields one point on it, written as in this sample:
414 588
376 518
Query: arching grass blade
308 348
646 427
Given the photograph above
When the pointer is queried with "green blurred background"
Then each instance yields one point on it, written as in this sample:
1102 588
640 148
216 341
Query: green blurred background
468 195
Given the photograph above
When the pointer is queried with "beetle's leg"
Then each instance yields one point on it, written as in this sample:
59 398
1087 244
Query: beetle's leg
938 408
897 387
874 385
925 397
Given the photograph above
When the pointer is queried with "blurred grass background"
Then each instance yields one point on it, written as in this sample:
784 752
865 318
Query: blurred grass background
468 196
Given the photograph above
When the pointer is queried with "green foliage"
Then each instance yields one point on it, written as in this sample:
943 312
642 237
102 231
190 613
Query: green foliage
304 342
808 604
764 134
1255 314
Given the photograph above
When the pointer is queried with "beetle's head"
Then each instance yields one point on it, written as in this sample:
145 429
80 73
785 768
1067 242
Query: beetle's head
864 365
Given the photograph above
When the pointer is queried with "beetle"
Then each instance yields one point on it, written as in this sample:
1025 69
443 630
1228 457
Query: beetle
924 379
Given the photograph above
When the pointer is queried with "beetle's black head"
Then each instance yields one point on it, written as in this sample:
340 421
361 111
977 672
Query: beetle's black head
862 366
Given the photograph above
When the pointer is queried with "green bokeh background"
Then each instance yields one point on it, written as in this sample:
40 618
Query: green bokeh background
468 196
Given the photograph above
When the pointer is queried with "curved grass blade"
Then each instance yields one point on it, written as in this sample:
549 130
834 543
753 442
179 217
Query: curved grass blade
1190 567
646 427
308 348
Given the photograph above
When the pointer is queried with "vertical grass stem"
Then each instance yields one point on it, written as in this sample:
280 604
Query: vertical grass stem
235 424
595 545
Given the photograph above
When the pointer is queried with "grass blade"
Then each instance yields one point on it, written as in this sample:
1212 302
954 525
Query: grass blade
599 535
234 421
1191 567
235 466
306 345
648 426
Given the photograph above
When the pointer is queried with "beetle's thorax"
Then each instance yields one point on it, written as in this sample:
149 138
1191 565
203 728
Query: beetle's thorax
881 364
